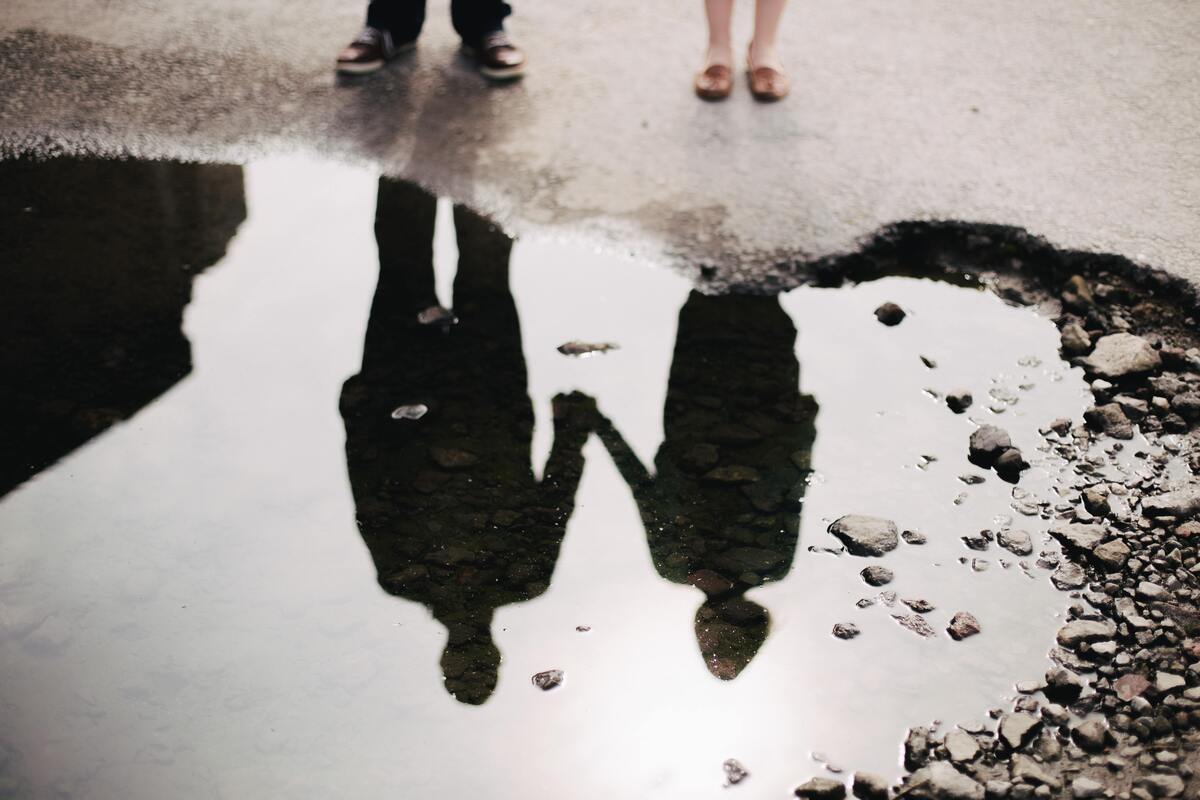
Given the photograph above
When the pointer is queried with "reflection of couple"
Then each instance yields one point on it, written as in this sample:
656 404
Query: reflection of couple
448 504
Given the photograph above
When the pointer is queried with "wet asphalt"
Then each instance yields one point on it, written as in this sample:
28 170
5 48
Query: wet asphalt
1074 120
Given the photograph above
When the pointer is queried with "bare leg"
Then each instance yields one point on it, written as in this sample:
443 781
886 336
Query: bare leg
763 51
720 32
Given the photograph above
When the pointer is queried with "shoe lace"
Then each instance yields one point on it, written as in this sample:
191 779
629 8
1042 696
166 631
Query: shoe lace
496 39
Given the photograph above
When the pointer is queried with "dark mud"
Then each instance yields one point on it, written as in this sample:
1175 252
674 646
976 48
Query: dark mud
188 584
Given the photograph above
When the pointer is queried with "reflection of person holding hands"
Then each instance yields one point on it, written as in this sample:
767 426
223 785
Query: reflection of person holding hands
446 499
721 512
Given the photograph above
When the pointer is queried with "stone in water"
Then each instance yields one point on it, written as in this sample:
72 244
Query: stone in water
577 348
735 773
549 679
414 411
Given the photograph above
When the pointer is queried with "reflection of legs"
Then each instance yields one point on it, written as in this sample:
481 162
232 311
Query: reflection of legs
402 18
720 32
474 19
763 50
404 220
470 660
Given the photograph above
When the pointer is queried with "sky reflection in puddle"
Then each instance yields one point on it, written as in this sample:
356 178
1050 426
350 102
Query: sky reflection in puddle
187 607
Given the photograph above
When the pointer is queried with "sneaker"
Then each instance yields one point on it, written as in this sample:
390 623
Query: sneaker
498 58
370 50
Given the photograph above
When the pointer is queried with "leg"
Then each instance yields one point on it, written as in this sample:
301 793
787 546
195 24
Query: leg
720 32
474 19
767 14
402 18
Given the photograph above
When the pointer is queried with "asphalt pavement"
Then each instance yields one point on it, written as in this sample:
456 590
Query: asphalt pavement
1075 120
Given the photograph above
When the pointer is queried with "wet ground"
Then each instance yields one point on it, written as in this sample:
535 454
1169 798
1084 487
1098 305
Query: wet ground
274 524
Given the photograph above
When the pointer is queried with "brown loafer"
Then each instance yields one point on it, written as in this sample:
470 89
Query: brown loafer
767 84
715 82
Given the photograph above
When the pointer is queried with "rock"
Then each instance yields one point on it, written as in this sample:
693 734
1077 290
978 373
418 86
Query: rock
997 789
1180 503
1016 542
916 748
1018 728
410 412
1010 464
1078 631
437 315
941 781
822 789
1060 426
1187 405
915 623
1151 591
549 679
961 746
962 625
1161 785
1092 735
1062 685
1109 419
1083 788
986 445
1166 682
959 401
918 604
1069 575
1076 294
1122 355
710 582
876 575
1130 686
1112 555
1025 770
1078 537
735 773
890 314
914 537
869 786
866 536
846 630
582 349
732 474
1074 340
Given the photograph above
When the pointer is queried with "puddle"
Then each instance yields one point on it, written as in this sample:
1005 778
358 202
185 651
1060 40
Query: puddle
216 584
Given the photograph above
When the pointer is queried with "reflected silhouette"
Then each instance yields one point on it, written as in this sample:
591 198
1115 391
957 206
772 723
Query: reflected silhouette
722 511
96 267
448 504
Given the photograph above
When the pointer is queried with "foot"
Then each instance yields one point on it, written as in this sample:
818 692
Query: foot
498 58
768 82
715 81
370 50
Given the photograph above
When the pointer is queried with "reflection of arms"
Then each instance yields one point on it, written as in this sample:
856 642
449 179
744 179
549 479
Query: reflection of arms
573 417
630 466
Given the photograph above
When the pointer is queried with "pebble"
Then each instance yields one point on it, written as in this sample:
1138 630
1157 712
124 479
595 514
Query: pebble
549 679
890 314
1084 788
866 536
1074 340
962 625
869 786
1017 729
1180 503
735 773
1109 419
1016 542
411 412
877 575
959 401
915 623
846 630
1092 735
1078 631
1122 355
961 746
986 445
821 789
581 349
919 605
941 781
914 537
1069 575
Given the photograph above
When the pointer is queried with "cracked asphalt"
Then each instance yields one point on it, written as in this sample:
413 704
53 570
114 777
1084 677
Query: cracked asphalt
1074 120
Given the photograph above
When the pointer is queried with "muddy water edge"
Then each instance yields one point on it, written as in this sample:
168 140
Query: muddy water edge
212 578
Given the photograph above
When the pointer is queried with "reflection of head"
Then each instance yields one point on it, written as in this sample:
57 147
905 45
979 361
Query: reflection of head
722 512
448 504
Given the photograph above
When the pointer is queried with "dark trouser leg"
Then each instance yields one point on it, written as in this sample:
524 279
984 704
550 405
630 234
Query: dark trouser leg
403 18
473 19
